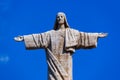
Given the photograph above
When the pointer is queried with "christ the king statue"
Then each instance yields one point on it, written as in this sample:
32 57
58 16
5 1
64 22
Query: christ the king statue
60 43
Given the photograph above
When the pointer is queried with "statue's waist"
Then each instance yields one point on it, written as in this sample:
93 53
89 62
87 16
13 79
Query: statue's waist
63 57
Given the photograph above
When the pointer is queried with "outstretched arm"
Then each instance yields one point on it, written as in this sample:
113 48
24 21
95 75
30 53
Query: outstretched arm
89 40
19 38
34 41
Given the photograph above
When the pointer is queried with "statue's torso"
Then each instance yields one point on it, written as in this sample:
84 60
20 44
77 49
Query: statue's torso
57 48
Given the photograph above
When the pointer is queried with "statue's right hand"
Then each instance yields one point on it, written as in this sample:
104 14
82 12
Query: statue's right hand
19 38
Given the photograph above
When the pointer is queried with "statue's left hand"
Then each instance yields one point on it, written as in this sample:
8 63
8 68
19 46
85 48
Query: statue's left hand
102 35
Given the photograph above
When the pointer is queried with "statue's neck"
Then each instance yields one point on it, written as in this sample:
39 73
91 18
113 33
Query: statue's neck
61 27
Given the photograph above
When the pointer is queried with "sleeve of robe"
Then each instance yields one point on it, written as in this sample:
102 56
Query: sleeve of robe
35 41
87 40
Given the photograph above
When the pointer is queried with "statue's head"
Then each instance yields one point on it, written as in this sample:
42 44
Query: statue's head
60 19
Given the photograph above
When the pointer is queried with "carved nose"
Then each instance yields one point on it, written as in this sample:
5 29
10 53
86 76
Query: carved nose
59 19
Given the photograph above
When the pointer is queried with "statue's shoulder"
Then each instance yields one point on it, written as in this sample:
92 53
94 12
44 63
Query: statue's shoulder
50 31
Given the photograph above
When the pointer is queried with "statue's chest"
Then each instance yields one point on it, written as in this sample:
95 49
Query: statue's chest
57 42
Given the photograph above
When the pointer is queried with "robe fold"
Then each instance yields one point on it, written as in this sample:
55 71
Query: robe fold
59 47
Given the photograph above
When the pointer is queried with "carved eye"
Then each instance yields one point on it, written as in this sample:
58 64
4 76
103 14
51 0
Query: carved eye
61 16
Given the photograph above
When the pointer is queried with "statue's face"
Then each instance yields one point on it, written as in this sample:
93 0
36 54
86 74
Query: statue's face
60 18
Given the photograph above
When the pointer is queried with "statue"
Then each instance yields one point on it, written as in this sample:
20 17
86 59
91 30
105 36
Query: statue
60 43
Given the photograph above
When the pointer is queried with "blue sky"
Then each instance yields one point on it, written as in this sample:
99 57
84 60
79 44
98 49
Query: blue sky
21 17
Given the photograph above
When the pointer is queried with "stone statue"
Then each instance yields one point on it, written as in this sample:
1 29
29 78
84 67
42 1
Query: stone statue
60 43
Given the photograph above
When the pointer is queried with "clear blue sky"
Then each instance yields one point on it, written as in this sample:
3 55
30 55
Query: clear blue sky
20 17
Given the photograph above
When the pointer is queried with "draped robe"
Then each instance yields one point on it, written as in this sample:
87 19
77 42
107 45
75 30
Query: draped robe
59 46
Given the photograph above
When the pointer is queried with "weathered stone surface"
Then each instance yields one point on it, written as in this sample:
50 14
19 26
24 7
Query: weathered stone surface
60 43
